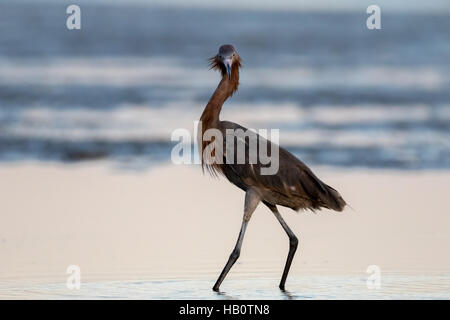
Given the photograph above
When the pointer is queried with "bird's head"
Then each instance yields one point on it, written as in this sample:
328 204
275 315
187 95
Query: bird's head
226 60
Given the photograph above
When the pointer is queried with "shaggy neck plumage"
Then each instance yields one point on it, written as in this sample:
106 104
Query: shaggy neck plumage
210 117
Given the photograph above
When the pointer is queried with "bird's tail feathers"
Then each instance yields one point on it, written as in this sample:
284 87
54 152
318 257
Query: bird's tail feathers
334 200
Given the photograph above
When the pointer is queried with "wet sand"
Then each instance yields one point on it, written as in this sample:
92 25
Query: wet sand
172 228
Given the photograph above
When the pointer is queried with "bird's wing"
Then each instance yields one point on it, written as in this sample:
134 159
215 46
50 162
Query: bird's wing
293 178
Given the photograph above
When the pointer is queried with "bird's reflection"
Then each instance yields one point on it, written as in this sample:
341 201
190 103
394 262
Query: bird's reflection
287 294
224 295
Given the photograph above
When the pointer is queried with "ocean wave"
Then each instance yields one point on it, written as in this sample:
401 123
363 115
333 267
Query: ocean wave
176 72
334 125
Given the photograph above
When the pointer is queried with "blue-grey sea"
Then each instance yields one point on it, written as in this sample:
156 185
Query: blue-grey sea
341 94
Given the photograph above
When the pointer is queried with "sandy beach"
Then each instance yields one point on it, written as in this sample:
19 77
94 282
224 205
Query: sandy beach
172 222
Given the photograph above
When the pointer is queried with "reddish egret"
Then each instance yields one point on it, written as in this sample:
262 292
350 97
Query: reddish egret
294 185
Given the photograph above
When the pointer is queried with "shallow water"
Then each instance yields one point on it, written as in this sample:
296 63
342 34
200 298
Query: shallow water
307 287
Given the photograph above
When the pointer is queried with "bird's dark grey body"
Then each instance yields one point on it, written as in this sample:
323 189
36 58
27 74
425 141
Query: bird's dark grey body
293 185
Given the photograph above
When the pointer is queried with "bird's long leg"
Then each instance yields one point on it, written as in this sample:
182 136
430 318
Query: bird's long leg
293 243
252 200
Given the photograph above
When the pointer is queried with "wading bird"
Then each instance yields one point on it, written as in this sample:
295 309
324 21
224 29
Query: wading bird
294 185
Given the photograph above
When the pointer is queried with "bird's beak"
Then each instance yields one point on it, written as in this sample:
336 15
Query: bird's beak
227 62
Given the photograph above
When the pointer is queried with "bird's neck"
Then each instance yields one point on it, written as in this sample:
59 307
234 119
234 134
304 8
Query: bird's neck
225 89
